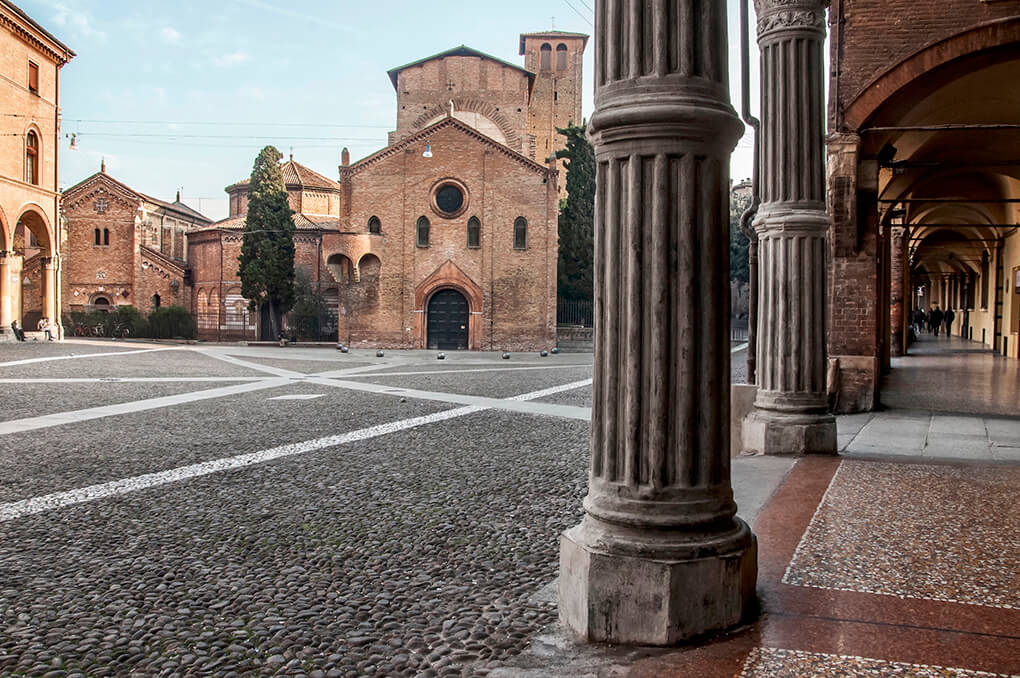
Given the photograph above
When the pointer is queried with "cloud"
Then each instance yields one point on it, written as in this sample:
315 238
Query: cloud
75 18
170 34
260 4
230 59
252 92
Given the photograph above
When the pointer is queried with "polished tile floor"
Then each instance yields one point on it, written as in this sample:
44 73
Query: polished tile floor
950 374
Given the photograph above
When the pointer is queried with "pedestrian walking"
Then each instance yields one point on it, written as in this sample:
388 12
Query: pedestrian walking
948 319
935 320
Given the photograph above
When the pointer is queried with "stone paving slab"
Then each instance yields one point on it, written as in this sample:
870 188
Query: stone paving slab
968 426
1005 432
67 457
175 361
410 553
891 435
485 384
31 400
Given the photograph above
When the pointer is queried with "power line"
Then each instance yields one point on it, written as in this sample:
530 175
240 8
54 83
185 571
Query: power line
587 6
171 135
220 123
578 13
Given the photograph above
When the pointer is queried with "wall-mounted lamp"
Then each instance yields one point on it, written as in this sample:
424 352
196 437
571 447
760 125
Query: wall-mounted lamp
74 142
428 151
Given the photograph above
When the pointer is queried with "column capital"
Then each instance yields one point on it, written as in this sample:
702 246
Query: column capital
781 17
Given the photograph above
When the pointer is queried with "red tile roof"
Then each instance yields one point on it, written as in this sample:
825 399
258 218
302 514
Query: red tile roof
296 174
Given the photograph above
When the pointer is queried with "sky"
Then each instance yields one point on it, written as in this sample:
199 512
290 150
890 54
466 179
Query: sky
182 95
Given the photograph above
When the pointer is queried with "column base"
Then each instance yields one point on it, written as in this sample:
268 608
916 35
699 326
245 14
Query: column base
608 597
779 433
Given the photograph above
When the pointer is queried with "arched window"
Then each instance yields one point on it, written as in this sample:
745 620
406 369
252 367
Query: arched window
423 232
374 225
32 159
156 301
474 232
99 238
546 57
561 57
106 237
520 233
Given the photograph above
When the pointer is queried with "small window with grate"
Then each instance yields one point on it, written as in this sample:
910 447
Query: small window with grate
423 231
474 233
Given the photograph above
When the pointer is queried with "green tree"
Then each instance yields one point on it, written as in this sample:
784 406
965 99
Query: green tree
575 279
739 268
267 252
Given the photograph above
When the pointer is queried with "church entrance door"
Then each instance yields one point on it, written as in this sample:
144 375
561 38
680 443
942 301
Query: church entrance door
448 321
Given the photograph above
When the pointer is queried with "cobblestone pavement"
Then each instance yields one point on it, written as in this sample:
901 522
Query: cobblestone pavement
224 510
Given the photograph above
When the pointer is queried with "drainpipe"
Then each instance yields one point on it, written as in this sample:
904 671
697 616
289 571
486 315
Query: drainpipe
748 215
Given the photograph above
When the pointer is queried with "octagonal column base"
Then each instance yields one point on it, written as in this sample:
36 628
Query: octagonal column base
778 433
608 597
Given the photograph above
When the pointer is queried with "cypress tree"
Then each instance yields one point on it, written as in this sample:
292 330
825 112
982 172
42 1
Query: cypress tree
575 277
267 251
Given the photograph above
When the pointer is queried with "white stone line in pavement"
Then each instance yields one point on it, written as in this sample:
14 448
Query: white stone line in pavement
298 396
552 390
737 349
47 502
516 404
25 507
233 360
76 416
479 369
28 361
125 380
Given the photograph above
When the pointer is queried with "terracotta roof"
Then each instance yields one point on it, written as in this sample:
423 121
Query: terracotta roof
552 35
177 207
296 174
463 50
303 222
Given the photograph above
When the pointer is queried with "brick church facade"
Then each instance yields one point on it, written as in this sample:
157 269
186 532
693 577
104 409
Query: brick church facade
447 237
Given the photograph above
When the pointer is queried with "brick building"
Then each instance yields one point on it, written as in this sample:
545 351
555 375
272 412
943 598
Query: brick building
924 180
220 311
124 247
30 63
447 237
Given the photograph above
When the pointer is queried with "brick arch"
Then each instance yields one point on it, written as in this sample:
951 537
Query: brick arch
6 232
513 137
885 86
449 277
40 226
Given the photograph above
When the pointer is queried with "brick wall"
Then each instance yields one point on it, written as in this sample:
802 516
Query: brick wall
877 34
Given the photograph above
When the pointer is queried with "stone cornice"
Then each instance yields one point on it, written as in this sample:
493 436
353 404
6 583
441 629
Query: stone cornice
27 30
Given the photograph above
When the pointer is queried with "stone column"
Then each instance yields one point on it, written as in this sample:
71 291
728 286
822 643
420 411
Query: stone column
48 268
791 405
5 295
660 556
898 306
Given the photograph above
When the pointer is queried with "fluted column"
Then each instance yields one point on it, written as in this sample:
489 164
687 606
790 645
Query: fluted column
660 556
5 295
790 407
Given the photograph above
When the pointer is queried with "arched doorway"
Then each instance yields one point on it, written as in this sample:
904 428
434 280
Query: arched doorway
448 317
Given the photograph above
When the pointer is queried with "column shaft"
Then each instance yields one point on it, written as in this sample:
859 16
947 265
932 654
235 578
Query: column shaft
5 294
898 307
792 226
660 555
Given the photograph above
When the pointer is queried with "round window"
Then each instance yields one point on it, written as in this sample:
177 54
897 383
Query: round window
449 199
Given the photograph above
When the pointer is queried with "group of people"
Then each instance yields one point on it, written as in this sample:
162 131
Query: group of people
934 319
44 326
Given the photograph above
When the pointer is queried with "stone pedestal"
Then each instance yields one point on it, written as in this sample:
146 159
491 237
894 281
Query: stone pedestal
791 406
660 556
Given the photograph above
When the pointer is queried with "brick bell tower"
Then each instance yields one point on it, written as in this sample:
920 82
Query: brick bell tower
555 57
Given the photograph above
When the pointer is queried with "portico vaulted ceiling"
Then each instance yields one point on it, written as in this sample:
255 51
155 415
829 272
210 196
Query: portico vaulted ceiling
949 149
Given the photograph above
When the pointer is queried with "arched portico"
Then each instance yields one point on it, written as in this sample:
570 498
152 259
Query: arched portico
925 184
28 269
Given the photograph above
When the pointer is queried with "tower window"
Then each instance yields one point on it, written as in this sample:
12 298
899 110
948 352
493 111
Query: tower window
106 237
423 232
545 61
99 238
32 159
561 57
474 233
374 225
33 77
520 233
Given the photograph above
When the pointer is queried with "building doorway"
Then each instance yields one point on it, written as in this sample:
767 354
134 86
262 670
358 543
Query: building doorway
448 321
